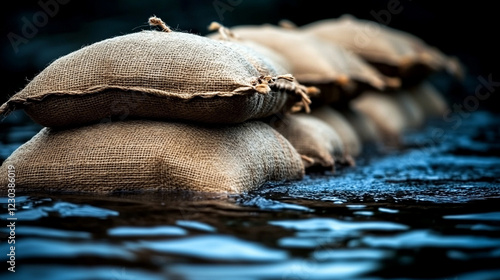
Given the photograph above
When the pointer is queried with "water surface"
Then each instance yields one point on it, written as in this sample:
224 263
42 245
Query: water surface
424 212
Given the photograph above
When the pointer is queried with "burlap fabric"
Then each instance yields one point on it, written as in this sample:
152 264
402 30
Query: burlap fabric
264 58
414 115
150 156
337 72
350 139
393 52
387 114
363 125
430 100
317 143
153 74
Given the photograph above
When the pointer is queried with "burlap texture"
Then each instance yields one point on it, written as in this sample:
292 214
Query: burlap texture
413 113
339 73
225 34
387 114
363 125
208 80
263 58
430 100
393 52
152 156
317 143
350 139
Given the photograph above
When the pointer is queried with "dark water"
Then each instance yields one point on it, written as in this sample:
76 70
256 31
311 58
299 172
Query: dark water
430 211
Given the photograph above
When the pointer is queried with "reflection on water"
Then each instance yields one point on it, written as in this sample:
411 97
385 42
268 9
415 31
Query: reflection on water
81 272
425 238
27 248
204 238
288 270
146 231
325 224
429 213
213 248
492 216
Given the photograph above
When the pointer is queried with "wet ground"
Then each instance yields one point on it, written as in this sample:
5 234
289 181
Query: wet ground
428 211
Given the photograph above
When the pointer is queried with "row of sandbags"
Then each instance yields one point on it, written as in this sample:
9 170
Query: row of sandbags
372 80
226 112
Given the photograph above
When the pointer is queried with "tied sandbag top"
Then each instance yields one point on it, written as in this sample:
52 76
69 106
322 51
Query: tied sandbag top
312 60
173 65
384 45
306 62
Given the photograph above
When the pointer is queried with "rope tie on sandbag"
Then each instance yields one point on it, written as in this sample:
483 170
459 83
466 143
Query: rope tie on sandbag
287 24
156 21
305 93
264 84
224 32
307 159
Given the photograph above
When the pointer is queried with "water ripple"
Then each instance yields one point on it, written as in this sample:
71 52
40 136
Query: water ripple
146 231
195 225
292 269
214 247
49 232
491 216
61 272
426 238
327 224
47 248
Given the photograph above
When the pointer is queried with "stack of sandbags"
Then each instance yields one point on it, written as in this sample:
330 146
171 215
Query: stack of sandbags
339 74
226 112
320 146
156 110
396 54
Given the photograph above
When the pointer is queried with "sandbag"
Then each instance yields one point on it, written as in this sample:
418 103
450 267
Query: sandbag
155 75
350 139
413 113
223 33
430 100
142 155
387 114
318 144
394 52
338 73
363 125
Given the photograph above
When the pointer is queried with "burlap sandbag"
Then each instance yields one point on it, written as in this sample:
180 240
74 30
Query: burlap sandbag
157 75
364 126
337 72
413 113
430 100
153 156
225 34
387 114
350 139
393 52
318 144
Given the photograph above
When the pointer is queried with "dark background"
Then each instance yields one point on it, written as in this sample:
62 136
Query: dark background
463 29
